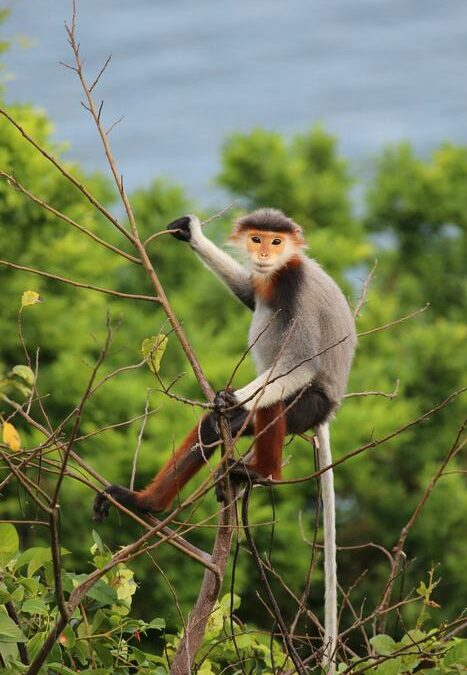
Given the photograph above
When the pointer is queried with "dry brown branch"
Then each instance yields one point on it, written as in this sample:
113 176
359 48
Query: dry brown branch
384 394
456 447
53 160
135 238
138 443
288 642
375 443
47 207
364 293
22 649
78 284
395 322
165 532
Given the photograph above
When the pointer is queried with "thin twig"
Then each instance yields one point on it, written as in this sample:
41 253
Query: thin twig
78 284
138 444
47 207
364 292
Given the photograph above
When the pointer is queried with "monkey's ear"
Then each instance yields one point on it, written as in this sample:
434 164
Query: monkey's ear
181 228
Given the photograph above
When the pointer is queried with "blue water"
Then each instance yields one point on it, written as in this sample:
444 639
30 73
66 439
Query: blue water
187 73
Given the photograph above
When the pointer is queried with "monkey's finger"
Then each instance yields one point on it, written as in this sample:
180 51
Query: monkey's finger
181 228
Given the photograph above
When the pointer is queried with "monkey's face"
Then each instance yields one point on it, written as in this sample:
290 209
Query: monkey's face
268 251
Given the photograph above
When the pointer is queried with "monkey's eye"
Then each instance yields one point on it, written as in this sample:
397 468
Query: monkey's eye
256 240
276 242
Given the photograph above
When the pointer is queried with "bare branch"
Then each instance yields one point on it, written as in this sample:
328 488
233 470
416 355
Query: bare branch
101 72
391 395
43 204
78 284
364 293
394 323
112 126
67 174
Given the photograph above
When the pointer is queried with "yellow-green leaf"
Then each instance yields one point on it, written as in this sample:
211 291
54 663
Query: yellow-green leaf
25 373
153 349
11 437
30 298
9 542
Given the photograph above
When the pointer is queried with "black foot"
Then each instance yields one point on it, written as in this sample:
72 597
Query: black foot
101 504
239 472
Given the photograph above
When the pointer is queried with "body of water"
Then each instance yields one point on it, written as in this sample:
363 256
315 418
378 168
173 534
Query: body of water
186 74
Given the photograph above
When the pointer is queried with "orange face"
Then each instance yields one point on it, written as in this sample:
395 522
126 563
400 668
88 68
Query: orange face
266 249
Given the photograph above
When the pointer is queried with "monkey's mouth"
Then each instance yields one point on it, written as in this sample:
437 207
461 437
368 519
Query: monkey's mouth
264 267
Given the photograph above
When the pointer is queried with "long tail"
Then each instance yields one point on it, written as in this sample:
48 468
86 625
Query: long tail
329 523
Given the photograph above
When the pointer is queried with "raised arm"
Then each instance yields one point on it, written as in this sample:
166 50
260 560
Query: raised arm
236 277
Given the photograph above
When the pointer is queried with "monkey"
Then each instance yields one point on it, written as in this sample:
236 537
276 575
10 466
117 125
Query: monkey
302 338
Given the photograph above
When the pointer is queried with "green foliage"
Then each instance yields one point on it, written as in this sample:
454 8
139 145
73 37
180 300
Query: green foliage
423 204
100 636
227 643
416 652
103 637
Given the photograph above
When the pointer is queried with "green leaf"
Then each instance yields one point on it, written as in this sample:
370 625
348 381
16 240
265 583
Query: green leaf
60 668
103 653
5 594
98 620
25 373
389 667
36 557
412 636
226 601
98 541
383 644
31 586
67 638
18 594
102 593
422 590
39 558
35 643
9 543
457 655
30 298
21 387
10 655
9 631
244 641
153 349
157 624
35 606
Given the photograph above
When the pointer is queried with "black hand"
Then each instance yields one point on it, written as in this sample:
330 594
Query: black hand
181 228
225 398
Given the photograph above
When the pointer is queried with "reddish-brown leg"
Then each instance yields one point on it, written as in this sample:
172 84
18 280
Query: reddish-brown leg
183 465
270 430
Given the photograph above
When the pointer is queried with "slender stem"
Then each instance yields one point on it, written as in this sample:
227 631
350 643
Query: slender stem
78 284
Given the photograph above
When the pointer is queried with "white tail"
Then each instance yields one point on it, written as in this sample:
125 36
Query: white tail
329 526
